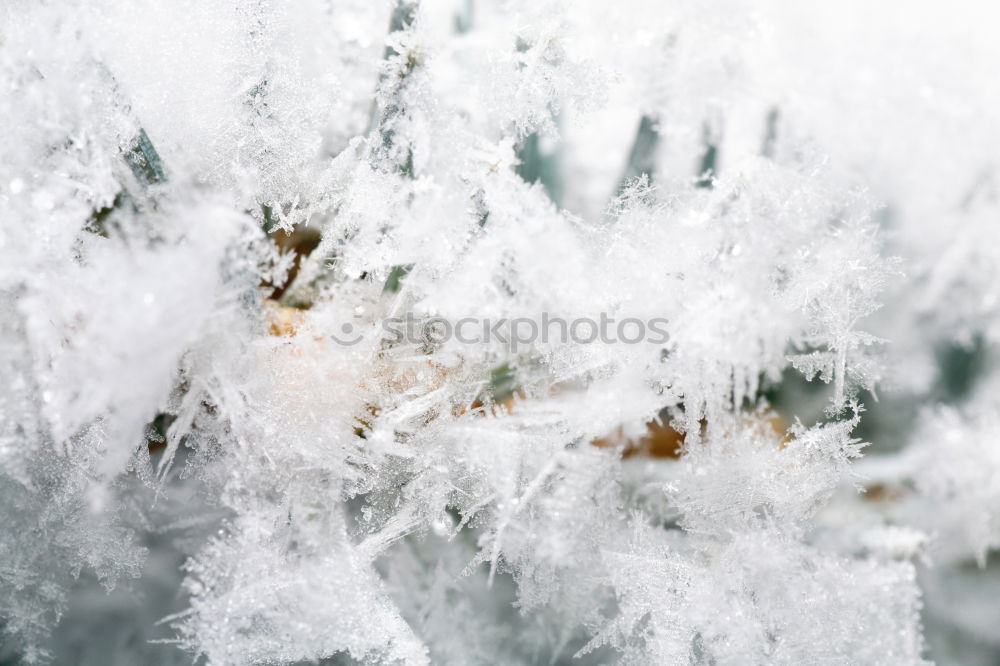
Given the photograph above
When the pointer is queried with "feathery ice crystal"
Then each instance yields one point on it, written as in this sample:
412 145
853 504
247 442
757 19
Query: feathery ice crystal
202 201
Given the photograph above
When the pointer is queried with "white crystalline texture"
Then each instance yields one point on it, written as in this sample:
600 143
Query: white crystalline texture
212 450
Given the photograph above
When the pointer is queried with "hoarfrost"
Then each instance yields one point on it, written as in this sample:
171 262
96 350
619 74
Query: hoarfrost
211 213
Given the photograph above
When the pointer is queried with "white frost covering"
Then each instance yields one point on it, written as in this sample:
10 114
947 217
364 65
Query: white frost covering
763 178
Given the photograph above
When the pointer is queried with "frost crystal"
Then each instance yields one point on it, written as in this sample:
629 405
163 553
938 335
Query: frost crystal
498 331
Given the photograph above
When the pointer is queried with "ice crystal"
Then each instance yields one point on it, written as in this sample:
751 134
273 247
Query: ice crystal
216 217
